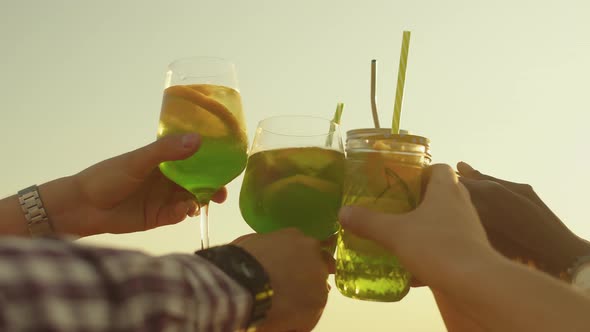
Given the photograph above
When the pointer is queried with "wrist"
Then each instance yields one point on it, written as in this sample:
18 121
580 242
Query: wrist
575 249
243 268
62 204
577 264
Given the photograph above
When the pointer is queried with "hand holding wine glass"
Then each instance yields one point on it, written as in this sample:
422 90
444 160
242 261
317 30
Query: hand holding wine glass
123 194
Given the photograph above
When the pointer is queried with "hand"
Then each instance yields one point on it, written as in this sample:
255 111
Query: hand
298 270
128 193
443 243
519 225
440 235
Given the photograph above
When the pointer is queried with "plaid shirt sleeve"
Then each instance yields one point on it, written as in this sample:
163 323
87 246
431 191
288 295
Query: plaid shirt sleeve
57 285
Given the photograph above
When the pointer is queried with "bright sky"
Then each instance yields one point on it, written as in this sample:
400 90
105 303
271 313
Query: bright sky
501 84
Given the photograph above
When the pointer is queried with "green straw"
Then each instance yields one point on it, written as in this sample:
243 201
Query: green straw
401 77
337 115
335 121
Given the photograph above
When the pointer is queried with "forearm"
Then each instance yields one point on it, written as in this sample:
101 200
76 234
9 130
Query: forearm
59 200
504 296
13 220
98 289
455 320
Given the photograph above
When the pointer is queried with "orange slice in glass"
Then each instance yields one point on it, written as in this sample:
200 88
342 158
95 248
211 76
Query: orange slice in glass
186 109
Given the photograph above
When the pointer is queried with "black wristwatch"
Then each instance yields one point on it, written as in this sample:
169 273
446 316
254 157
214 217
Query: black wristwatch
244 269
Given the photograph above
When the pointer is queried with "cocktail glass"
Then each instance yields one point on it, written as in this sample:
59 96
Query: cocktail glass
294 176
201 96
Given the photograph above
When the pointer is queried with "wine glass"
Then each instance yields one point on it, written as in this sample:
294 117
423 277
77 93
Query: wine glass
201 95
294 176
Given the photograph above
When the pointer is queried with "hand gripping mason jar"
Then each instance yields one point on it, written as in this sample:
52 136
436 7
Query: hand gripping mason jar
384 174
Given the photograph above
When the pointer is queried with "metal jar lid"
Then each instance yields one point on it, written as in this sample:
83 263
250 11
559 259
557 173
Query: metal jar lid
385 133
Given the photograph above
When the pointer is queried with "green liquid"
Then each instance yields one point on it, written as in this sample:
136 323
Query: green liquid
294 187
215 164
215 112
381 182
367 272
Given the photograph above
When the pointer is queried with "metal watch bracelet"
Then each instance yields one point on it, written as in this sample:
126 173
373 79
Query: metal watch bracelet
32 206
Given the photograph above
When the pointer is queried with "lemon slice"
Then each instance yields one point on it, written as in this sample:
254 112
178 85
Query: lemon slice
185 109
312 160
302 182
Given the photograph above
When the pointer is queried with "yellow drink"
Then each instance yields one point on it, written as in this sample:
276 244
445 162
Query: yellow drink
215 112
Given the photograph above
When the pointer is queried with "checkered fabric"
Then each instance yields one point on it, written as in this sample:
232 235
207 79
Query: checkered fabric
57 285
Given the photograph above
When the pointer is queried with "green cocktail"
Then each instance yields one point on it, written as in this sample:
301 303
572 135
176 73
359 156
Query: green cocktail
215 112
201 97
293 187
294 176
383 173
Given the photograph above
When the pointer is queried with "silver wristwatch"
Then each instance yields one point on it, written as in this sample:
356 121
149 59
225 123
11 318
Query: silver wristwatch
32 206
579 273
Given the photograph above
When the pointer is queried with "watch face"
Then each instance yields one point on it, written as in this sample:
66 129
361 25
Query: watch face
581 278
245 269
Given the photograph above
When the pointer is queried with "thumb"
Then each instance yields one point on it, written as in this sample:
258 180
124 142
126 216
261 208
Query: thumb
168 148
379 227
467 171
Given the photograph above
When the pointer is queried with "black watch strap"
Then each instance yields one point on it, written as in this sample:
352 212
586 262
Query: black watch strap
244 269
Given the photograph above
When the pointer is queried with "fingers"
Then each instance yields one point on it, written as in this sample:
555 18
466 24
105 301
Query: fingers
441 175
175 213
327 255
141 162
375 226
386 229
441 180
469 172
176 207
329 260
220 196
183 199
194 209
183 209
466 171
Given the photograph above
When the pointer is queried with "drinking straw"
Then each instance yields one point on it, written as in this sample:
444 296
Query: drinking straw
337 114
401 77
335 121
373 101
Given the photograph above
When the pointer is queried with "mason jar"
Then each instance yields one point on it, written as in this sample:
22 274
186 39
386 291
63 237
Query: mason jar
384 174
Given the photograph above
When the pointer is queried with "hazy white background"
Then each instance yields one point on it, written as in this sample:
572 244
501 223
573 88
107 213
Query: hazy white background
502 84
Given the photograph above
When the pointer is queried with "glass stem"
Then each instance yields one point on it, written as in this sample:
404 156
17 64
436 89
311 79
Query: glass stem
204 226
